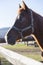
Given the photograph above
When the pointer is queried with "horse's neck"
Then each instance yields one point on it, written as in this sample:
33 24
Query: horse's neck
38 32
39 41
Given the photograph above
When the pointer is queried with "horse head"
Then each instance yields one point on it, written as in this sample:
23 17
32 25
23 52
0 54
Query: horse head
22 26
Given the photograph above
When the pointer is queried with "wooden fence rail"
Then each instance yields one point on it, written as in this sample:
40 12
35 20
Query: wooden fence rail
17 59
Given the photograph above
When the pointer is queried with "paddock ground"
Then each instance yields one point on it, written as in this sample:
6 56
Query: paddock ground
29 51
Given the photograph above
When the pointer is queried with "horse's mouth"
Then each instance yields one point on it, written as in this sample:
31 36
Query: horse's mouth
10 40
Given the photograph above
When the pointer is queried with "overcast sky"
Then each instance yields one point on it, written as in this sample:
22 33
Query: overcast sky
8 10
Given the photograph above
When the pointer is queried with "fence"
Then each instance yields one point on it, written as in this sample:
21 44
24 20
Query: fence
17 59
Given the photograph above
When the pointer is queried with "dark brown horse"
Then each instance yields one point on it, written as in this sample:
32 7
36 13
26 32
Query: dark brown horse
27 23
29 38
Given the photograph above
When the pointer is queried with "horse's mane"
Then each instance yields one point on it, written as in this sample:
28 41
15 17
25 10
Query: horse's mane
21 9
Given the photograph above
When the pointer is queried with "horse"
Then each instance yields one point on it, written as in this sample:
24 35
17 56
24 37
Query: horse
27 23
29 39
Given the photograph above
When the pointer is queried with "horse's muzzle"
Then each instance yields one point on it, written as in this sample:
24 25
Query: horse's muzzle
10 40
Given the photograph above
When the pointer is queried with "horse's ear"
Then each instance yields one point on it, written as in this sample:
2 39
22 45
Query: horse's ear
24 6
19 6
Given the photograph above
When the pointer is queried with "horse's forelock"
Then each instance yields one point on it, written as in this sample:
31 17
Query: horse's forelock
20 10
